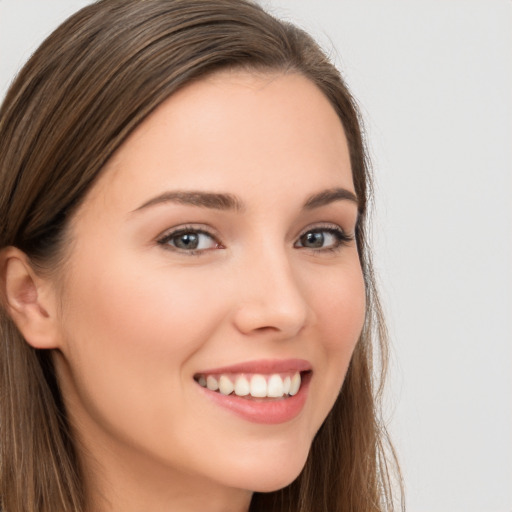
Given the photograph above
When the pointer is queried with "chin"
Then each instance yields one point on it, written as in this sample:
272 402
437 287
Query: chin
270 475
269 484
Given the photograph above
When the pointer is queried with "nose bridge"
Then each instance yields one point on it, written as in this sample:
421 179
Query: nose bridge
271 297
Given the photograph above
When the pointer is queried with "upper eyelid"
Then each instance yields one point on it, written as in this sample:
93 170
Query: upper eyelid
209 231
204 228
323 225
188 227
343 236
165 238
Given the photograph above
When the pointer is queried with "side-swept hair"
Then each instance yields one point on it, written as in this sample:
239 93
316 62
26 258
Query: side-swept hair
87 87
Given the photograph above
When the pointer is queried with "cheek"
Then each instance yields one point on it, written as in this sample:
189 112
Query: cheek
146 311
340 313
340 309
129 336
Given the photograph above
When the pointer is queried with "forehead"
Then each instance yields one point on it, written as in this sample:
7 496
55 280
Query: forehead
235 129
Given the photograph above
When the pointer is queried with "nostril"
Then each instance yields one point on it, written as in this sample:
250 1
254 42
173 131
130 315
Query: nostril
278 320
266 328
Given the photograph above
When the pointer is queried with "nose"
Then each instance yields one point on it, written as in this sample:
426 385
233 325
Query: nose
270 298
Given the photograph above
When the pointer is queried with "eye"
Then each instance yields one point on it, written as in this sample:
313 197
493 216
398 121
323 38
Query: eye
323 238
190 240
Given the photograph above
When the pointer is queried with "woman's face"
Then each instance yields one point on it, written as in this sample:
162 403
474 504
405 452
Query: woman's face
216 247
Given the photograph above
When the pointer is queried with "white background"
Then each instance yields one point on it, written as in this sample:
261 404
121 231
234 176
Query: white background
434 81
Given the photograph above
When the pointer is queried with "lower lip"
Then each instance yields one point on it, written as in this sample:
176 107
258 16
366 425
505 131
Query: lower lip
267 411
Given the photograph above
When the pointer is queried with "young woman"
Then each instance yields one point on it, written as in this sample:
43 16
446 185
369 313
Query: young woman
189 313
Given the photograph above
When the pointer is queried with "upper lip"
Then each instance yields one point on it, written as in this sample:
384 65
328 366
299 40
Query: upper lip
265 366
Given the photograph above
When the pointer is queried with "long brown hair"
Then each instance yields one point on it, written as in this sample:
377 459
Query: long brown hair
81 94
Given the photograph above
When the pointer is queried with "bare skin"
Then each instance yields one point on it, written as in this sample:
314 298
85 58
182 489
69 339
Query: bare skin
157 289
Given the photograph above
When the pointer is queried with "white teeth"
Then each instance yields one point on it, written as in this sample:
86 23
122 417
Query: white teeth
242 387
286 385
258 386
225 385
295 384
211 383
275 386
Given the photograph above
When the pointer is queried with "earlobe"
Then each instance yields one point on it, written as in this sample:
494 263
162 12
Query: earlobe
27 299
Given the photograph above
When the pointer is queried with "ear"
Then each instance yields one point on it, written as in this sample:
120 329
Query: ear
29 299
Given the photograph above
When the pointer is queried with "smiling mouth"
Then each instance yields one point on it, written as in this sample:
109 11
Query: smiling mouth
256 385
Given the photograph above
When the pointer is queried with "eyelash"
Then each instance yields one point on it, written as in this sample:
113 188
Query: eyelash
188 230
340 236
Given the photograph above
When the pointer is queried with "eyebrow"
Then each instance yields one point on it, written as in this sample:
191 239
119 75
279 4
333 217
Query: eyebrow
330 196
212 200
221 201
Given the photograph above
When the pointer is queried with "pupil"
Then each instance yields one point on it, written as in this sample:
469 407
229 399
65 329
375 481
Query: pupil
313 240
187 241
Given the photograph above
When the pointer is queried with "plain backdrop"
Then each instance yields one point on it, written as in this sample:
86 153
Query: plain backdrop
434 82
